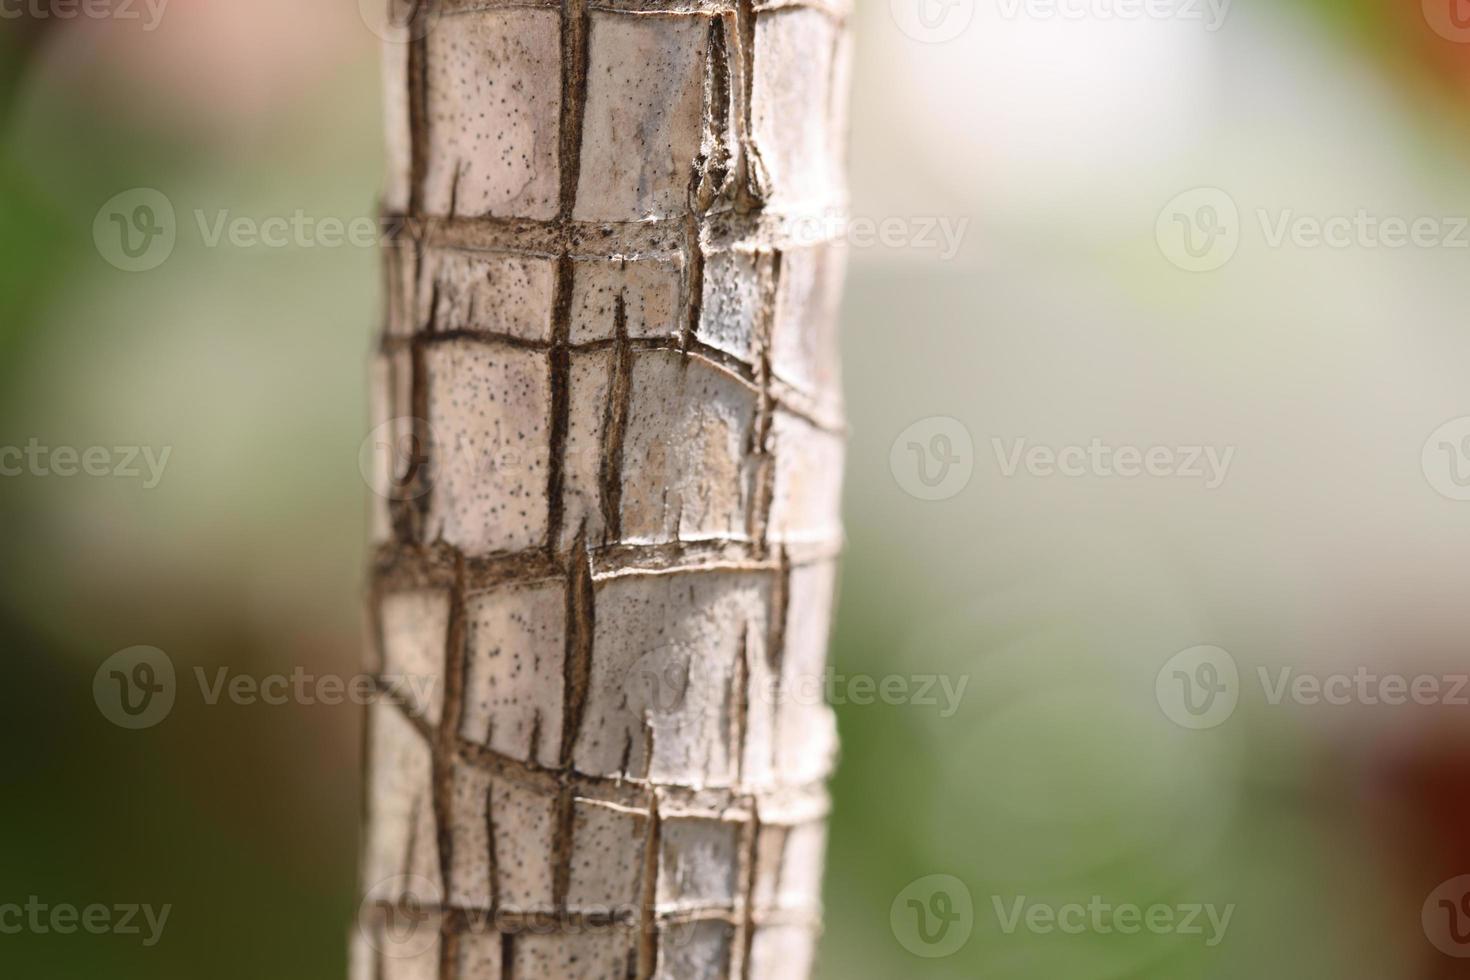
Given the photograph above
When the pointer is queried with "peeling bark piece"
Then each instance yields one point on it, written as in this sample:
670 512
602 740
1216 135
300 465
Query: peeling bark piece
695 951
644 124
525 830
790 107
598 953
590 382
782 952
516 647
415 631
661 690
804 336
649 288
808 482
806 728
698 864
489 410
402 840
733 299
488 292
492 127
607 859
684 473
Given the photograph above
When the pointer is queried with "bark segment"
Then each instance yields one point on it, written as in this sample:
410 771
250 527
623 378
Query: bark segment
609 547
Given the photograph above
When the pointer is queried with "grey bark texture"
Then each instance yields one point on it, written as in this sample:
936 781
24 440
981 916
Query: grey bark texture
605 547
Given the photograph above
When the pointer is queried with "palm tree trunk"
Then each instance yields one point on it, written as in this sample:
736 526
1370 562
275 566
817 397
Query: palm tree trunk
606 544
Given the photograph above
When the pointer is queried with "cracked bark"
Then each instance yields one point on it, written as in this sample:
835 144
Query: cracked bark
609 545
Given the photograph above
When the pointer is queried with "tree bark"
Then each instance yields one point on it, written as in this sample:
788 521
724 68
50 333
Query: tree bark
610 475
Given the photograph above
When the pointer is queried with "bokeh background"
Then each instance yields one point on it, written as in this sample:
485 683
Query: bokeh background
1059 141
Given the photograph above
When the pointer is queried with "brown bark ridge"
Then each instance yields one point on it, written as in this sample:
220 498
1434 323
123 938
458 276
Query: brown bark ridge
605 557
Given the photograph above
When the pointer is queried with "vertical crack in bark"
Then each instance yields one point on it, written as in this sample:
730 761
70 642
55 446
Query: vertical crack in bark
409 508
693 280
559 364
648 910
581 615
563 847
750 179
418 103
574 31
492 857
615 424
740 706
763 450
776 642
444 756
750 877
507 956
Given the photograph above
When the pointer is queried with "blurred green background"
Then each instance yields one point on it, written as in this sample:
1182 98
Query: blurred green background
1058 320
